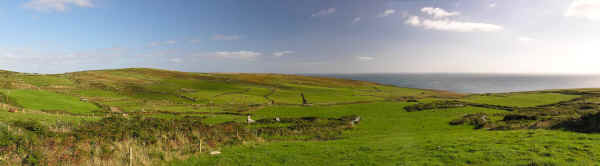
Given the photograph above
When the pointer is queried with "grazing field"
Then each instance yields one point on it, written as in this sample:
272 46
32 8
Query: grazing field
520 99
45 100
144 116
388 135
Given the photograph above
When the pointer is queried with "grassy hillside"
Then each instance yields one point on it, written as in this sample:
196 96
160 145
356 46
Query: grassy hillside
158 117
390 136
519 99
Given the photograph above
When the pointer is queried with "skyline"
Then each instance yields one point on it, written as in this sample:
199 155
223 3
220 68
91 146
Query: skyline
285 36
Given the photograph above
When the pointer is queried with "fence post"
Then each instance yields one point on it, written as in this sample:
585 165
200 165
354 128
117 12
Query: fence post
130 156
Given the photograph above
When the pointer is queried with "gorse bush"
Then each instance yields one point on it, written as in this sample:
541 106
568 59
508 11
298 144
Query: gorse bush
35 127
108 138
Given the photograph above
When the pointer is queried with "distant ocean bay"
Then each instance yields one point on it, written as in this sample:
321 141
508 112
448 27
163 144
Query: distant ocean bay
477 83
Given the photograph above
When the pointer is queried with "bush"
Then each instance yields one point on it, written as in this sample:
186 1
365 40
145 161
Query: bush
519 117
434 105
477 120
33 126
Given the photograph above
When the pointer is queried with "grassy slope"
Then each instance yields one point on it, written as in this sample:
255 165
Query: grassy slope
45 100
387 135
520 99
137 89
151 90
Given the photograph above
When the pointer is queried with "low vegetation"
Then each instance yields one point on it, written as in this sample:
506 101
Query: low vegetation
156 117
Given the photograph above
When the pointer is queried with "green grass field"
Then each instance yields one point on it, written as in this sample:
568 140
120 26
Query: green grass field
390 136
177 118
45 100
520 99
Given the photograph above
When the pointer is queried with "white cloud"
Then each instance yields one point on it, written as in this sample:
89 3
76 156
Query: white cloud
365 58
33 60
413 20
456 26
438 12
525 39
226 37
445 24
57 5
585 9
239 54
194 41
176 60
355 20
283 53
493 4
157 43
324 12
387 12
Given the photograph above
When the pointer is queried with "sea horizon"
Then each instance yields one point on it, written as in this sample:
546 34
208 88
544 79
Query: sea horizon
476 82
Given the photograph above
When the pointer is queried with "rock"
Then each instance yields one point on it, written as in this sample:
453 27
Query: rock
215 153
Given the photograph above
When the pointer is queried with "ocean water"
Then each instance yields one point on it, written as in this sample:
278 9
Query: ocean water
478 83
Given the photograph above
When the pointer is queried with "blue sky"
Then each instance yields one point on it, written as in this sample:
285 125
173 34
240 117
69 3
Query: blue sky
312 36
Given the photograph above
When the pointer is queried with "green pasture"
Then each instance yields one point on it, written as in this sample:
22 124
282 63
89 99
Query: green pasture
387 135
45 100
519 99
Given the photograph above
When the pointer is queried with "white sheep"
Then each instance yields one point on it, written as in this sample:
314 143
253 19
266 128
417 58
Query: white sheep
356 120
250 119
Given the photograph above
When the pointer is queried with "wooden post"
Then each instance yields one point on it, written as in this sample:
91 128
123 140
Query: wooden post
56 122
130 156
303 99
62 119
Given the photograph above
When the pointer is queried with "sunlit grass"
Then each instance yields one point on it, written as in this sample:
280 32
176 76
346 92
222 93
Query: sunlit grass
520 99
387 135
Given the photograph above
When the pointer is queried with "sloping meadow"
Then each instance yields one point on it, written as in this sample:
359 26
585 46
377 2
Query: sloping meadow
143 116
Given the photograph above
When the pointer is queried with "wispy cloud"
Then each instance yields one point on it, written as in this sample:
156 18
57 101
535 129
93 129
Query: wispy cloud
446 24
176 60
159 43
355 20
283 53
238 54
387 12
324 12
585 9
458 26
57 5
365 58
438 12
226 37
413 20
493 4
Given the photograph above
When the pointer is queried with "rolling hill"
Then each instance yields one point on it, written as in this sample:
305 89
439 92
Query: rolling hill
144 116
